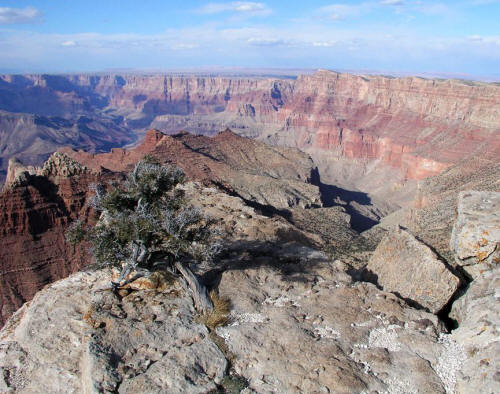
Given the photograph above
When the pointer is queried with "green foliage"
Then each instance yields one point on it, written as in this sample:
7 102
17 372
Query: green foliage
75 233
231 384
146 216
234 384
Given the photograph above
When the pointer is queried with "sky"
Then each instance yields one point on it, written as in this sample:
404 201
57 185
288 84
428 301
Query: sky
411 36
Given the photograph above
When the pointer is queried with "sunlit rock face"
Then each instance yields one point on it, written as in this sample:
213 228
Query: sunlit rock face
416 126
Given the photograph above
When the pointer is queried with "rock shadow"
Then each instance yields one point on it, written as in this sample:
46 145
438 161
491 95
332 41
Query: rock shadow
294 260
330 196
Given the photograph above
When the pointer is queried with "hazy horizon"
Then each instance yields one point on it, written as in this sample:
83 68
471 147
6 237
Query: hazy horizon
281 73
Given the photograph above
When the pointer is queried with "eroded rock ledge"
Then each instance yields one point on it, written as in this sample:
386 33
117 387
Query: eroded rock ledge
299 322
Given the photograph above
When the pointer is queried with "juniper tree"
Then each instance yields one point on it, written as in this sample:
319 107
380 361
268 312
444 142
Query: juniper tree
145 222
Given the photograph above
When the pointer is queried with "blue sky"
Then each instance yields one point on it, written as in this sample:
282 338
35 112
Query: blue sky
414 36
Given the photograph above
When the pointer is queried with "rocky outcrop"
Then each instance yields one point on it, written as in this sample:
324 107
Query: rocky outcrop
113 347
35 210
16 168
270 176
475 239
478 317
472 346
404 265
298 323
39 203
314 330
434 210
147 341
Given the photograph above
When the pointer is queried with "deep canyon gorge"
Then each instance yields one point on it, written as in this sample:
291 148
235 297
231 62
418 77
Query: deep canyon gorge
413 126
332 172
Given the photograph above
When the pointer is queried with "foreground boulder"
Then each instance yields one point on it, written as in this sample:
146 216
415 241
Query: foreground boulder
73 337
475 240
478 316
404 265
298 324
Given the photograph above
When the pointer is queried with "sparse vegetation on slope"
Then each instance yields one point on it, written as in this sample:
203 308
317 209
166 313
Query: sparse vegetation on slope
146 223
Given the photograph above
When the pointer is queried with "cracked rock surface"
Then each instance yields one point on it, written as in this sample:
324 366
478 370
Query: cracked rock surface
478 316
73 339
310 328
475 239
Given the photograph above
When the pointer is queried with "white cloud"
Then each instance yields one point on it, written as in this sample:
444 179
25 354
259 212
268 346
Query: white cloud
476 37
392 2
241 7
323 43
181 46
10 16
266 42
484 39
338 12
69 43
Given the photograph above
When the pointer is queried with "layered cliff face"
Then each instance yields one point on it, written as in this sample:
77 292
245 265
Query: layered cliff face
39 202
416 126
359 129
35 210
33 138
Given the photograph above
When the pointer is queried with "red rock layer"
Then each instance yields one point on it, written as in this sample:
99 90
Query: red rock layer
416 125
420 126
34 252
211 160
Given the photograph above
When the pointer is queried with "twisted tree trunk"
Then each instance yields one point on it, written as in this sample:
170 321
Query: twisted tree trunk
202 301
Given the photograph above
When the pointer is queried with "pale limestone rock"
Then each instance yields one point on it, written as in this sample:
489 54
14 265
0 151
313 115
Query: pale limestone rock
307 327
404 265
478 316
475 239
71 338
16 170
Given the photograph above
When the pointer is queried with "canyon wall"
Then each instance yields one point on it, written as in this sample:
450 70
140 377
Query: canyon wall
358 128
33 138
35 210
372 133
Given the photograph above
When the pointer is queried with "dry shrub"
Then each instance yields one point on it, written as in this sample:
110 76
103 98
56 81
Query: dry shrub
220 314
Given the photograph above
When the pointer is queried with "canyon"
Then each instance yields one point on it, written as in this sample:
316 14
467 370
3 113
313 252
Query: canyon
376 147
357 128
318 184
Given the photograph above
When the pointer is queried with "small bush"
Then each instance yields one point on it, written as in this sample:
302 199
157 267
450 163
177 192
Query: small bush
219 316
144 222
